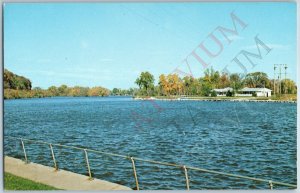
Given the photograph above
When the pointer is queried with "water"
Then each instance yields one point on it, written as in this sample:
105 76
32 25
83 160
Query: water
252 139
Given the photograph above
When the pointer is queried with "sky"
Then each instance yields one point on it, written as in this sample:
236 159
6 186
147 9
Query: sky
110 44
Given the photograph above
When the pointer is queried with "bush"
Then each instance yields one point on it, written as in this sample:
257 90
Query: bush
229 94
213 94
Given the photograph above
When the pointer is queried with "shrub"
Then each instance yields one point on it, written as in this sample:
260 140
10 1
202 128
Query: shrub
229 94
213 94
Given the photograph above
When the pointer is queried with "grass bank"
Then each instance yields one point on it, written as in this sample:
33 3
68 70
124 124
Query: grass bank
12 182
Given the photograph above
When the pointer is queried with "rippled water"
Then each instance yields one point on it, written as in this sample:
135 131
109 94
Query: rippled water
252 139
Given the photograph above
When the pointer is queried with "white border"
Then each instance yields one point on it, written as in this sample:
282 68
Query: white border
202 191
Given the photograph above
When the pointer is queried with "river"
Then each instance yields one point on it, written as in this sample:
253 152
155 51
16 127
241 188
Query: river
244 138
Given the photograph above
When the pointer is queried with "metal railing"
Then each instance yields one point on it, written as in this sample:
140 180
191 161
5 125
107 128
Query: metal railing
185 168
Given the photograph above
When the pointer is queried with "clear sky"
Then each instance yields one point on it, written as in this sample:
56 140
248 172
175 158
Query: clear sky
110 44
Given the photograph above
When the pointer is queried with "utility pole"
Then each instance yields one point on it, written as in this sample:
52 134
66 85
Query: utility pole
279 85
285 67
280 80
274 79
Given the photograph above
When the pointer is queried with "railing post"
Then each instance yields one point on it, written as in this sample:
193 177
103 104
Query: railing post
134 173
88 164
26 161
186 178
53 157
271 184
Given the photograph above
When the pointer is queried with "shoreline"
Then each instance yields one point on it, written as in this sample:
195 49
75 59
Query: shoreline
214 99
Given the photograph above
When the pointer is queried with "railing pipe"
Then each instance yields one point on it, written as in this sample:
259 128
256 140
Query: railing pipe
88 164
23 146
134 173
271 184
186 178
53 157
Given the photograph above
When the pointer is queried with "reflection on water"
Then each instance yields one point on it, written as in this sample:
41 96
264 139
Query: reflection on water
252 139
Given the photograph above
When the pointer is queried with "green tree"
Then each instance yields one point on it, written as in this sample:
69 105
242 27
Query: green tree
116 91
146 83
191 86
257 80
13 81
236 81
212 77
206 87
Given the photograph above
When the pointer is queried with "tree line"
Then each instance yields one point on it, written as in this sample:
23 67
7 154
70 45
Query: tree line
172 84
16 86
124 92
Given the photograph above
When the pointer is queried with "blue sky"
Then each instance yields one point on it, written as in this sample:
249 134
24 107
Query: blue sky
110 44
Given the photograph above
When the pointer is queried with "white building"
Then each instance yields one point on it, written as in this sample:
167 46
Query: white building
222 91
260 92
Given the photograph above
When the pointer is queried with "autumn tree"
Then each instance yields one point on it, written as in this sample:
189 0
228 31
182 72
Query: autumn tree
63 90
288 87
224 81
163 85
53 91
98 91
175 84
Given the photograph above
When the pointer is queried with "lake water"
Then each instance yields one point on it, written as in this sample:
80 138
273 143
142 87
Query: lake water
245 138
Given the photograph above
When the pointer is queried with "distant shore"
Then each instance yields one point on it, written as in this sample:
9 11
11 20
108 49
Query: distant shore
232 99
178 98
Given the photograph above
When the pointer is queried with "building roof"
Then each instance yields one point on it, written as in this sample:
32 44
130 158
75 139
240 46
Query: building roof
246 89
223 89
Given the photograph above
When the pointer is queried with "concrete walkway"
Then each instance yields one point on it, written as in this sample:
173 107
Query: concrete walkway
60 179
